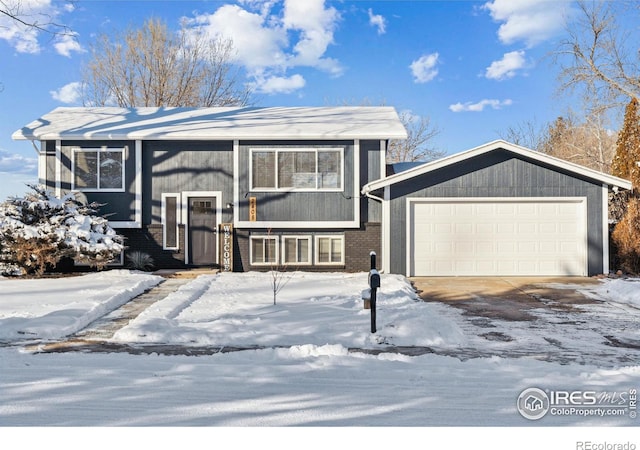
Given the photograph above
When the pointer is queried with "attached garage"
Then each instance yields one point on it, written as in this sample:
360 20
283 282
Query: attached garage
495 210
519 236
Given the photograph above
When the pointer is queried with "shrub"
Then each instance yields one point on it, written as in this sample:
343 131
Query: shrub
140 261
626 237
39 229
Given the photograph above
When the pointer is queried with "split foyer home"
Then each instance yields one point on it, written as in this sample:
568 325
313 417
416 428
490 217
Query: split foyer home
307 187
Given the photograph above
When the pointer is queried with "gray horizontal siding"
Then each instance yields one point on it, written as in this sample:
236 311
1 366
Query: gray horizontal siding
298 206
497 174
175 167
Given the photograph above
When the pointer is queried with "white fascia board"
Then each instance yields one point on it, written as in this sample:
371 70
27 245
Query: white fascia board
495 145
605 229
245 224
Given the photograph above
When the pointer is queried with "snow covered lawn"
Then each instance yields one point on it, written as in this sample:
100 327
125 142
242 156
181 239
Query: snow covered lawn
312 308
57 307
309 377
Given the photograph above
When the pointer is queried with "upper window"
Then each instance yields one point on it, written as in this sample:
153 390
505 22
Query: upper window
98 169
300 169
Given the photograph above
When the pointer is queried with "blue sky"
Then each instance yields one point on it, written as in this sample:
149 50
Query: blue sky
474 68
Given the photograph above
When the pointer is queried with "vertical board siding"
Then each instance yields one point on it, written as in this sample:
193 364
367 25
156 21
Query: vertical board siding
292 206
176 166
496 174
371 210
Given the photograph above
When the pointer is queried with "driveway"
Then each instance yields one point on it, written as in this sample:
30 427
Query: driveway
507 298
545 318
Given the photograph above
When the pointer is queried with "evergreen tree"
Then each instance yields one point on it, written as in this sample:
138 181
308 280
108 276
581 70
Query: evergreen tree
626 234
38 230
625 162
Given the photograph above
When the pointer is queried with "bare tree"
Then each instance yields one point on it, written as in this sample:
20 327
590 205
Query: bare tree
153 66
527 134
16 11
597 57
587 142
418 145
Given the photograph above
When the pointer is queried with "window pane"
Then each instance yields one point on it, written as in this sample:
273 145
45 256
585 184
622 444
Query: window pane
170 222
324 250
257 250
270 251
329 175
263 166
290 250
336 250
111 170
86 170
303 250
297 170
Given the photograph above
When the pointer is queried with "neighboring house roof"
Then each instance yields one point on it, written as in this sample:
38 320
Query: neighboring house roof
492 146
398 167
346 122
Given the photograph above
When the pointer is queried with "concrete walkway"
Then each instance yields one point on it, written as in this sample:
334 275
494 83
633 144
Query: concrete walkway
96 335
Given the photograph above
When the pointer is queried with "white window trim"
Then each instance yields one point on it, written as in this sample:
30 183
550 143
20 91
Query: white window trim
164 216
315 150
317 250
262 237
309 238
98 150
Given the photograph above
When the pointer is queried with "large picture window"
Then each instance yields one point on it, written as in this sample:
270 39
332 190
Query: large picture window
299 169
98 169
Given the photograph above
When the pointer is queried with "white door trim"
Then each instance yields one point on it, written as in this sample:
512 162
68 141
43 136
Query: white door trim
184 207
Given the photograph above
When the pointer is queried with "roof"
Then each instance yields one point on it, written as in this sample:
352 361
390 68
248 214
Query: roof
398 167
110 123
604 178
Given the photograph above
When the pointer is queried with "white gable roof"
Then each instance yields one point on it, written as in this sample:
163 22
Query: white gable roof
604 178
216 123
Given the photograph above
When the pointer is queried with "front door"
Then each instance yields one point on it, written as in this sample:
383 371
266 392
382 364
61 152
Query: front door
202 231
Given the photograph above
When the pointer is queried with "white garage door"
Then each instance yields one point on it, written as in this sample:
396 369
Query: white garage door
520 236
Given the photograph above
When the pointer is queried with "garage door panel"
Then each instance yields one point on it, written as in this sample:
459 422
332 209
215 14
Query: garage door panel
498 237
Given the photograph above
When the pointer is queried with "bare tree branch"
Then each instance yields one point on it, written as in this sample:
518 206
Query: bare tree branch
153 66
15 11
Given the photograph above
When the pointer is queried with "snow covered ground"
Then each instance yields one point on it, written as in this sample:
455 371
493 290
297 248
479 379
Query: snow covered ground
308 376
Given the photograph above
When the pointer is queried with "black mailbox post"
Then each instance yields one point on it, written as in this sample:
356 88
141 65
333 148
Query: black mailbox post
374 284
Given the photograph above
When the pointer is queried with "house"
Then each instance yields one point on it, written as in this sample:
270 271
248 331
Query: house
308 188
241 188
498 209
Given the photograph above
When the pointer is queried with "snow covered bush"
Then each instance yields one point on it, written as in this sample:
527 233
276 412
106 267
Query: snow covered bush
39 229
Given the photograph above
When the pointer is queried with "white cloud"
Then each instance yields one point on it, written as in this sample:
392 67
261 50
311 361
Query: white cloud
528 21
279 85
479 106
69 93
269 42
68 43
17 164
23 38
507 66
376 20
424 69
